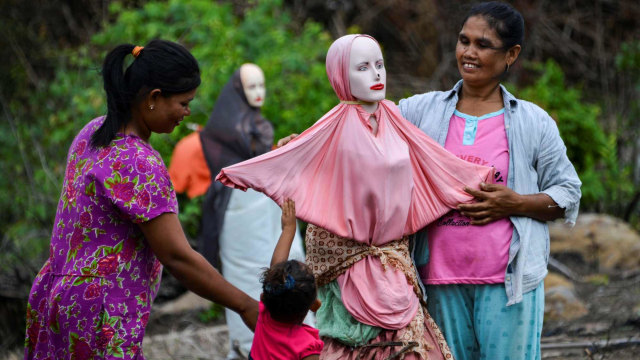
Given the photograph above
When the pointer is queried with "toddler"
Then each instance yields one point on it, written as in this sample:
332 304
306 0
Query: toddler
288 293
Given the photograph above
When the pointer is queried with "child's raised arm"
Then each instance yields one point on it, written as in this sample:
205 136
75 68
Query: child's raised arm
281 252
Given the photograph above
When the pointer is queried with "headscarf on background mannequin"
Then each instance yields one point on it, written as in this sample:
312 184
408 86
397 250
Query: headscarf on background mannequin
372 189
236 131
233 127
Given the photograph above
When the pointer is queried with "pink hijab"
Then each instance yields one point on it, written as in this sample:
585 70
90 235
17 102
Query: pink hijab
366 187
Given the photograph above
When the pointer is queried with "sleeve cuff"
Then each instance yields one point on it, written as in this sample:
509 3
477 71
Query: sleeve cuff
566 202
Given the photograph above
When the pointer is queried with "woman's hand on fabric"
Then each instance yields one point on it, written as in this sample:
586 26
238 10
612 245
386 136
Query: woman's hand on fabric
494 202
498 201
285 140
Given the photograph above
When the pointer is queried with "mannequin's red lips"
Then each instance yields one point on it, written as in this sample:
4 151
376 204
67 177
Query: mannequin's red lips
377 87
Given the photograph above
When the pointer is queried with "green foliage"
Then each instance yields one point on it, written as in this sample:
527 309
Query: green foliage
214 312
298 92
190 215
15 255
43 123
593 153
628 65
628 59
598 279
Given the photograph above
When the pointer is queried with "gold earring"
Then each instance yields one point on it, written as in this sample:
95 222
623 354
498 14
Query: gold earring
508 67
151 107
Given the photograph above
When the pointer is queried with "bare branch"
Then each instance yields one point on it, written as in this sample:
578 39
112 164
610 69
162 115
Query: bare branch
20 55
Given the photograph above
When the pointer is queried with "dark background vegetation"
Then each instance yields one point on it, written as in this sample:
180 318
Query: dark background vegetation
580 62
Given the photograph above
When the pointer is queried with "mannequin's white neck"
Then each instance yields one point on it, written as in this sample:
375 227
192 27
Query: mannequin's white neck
369 107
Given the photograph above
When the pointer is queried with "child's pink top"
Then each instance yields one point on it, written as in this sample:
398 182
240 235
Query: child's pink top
276 340
461 253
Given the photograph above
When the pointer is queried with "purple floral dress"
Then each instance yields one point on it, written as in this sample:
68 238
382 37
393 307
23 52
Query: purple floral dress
91 300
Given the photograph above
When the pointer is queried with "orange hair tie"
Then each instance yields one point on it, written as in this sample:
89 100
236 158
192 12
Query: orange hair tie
136 51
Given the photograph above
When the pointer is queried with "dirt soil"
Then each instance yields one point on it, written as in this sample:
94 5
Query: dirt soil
606 332
611 329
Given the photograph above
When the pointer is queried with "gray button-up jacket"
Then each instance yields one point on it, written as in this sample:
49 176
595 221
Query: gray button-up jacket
538 163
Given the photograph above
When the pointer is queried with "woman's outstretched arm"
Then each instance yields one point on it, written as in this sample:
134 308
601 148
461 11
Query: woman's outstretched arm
167 240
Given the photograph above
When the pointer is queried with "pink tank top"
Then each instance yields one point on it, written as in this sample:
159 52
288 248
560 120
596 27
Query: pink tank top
461 253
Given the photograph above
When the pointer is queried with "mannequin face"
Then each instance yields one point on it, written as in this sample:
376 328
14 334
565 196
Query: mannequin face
252 80
367 75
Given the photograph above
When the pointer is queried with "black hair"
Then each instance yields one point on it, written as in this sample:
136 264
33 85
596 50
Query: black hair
503 18
288 290
161 64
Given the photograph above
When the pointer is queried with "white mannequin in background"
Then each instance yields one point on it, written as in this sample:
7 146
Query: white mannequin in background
250 233
252 79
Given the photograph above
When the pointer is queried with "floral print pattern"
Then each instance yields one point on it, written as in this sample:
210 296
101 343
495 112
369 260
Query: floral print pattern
92 297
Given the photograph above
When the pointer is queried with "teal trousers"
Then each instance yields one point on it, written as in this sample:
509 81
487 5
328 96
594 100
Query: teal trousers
477 324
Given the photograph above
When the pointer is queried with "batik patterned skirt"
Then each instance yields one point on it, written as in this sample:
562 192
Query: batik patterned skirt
330 256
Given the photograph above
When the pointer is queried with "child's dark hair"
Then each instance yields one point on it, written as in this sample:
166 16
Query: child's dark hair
289 289
161 64
503 18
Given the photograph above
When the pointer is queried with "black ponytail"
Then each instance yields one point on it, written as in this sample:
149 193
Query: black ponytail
118 103
161 64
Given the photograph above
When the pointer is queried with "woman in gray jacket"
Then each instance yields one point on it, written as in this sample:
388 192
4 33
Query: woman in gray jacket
484 264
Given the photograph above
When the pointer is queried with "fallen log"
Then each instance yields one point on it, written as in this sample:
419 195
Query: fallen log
557 266
592 345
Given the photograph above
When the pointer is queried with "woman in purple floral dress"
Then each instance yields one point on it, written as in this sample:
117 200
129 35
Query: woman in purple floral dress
116 224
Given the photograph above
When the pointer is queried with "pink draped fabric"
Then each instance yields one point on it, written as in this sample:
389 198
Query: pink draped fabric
376 296
366 187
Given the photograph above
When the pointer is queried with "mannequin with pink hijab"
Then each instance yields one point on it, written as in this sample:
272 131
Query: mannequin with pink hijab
364 179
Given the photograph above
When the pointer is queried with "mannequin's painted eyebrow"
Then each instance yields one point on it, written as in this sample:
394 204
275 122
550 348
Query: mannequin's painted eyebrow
367 63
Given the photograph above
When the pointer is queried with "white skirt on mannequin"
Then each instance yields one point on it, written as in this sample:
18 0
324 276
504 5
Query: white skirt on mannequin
249 235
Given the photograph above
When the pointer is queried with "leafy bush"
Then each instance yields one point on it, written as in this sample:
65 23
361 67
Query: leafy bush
213 313
592 151
43 124
628 59
628 66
